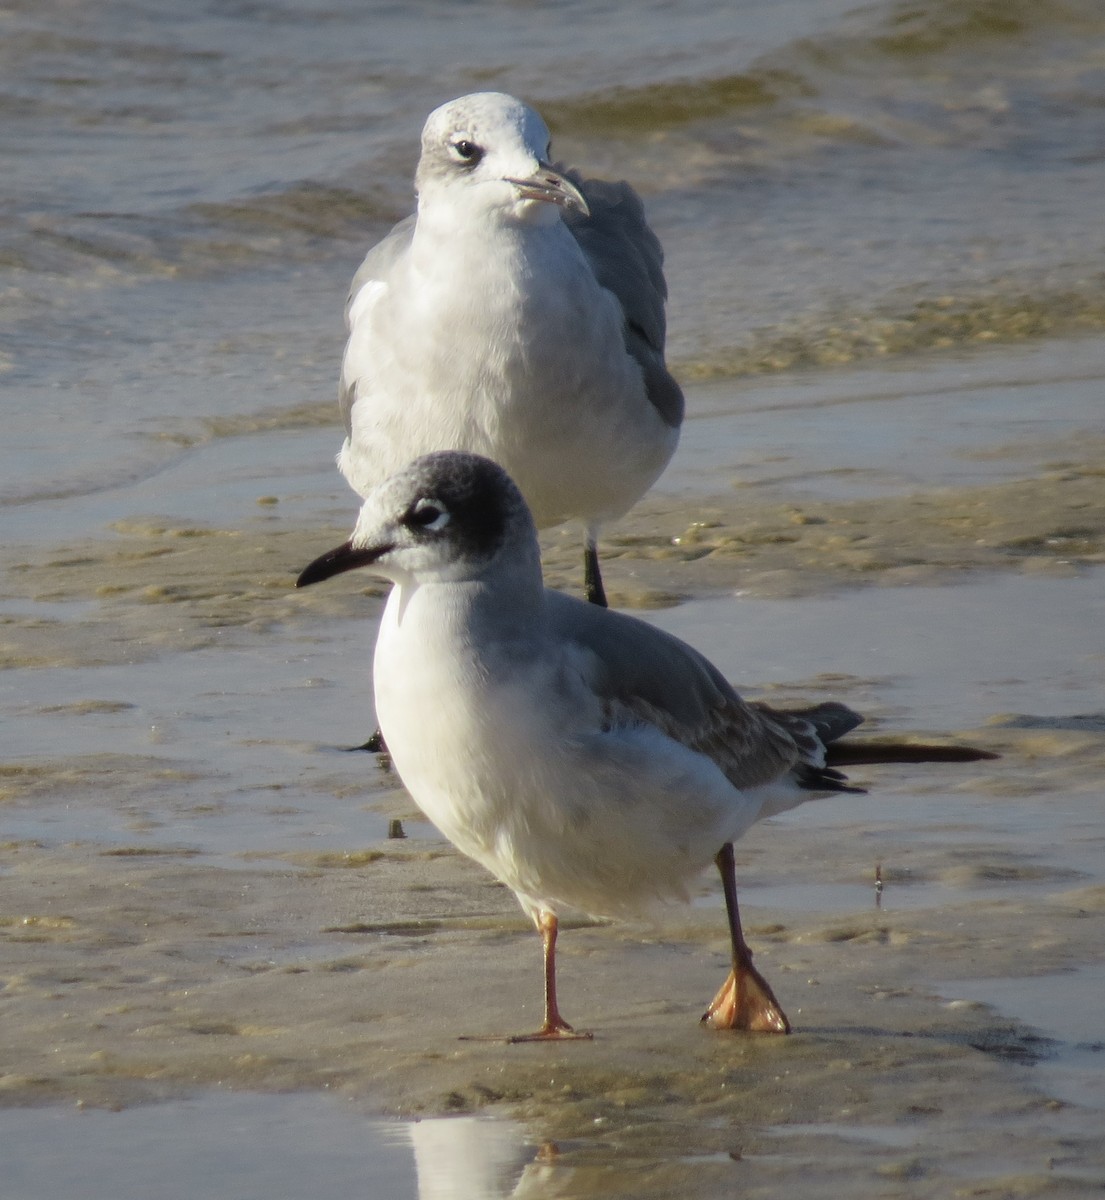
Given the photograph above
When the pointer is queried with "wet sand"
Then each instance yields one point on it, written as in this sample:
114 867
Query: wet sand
199 890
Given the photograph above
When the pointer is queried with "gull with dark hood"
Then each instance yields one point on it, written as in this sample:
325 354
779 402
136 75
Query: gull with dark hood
584 757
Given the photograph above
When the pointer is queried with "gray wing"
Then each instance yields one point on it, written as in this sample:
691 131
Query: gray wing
628 261
647 675
377 265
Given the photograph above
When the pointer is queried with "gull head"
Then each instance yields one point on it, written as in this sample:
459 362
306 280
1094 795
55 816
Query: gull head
488 154
445 517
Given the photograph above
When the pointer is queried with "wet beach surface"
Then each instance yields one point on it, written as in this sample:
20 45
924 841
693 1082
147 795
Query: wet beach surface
219 973
201 896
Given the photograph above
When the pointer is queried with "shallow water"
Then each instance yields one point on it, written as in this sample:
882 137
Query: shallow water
975 668
189 193
202 906
1066 1009
218 1144
884 430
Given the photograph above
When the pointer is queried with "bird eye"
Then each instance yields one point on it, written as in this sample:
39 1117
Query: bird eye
468 152
428 514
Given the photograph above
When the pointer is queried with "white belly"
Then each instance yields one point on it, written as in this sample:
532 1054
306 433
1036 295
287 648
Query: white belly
515 770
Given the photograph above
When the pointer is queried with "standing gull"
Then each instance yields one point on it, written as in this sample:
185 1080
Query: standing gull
582 756
518 314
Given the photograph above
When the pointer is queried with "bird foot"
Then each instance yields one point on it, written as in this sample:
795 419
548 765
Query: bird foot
555 1030
746 1002
558 1031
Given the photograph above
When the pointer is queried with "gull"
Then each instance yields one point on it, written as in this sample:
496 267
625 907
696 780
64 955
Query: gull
585 758
518 314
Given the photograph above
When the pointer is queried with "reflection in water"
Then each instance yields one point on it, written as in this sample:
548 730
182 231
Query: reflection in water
473 1158
245 1146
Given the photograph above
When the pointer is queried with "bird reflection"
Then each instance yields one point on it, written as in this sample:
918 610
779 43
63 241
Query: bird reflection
475 1158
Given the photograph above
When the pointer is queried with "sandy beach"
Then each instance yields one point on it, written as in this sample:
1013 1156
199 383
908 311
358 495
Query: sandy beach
221 973
200 894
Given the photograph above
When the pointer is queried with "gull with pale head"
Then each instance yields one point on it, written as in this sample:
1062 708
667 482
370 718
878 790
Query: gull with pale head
518 314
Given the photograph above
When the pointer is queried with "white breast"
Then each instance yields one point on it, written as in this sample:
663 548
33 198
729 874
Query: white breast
470 355
506 752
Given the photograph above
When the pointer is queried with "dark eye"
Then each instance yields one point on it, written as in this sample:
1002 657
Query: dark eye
468 152
428 514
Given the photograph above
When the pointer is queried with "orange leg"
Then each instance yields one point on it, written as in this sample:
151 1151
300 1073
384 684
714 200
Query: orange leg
745 1000
555 1027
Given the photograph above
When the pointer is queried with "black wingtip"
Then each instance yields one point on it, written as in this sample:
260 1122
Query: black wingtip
825 779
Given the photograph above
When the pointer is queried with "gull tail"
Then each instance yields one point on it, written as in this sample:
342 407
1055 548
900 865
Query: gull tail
822 729
832 721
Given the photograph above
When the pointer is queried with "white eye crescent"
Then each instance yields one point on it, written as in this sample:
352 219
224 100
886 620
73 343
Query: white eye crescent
430 514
